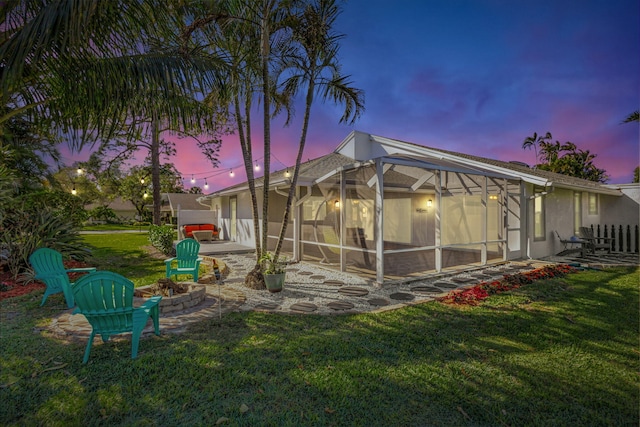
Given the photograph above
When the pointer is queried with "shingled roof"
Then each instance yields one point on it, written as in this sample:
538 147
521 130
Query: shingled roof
312 170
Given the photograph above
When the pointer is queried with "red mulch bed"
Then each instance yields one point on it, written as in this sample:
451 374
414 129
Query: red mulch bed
478 293
15 288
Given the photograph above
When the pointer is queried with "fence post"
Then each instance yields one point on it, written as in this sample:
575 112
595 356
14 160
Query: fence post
613 237
628 238
620 239
637 242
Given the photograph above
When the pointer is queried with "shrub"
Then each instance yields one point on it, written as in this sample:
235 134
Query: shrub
161 237
24 230
103 213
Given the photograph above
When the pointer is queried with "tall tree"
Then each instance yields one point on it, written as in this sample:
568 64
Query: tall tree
275 48
314 63
126 60
534 141
566 158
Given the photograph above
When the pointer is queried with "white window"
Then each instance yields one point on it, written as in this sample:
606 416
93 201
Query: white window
593 204
577 212
539 228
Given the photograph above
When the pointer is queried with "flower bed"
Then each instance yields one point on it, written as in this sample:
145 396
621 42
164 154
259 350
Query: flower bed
11 288
478 293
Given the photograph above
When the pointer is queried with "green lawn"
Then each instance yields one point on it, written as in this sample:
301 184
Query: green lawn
560 352
124 254
114 227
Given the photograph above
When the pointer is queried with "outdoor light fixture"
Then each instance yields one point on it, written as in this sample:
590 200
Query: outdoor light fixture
79 171
145 195
287 174
206 185
493 197
231 173
337 204
193 180
141 180
257 166
73 190
429 203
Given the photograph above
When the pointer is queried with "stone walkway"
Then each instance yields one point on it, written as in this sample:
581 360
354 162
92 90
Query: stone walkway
312 289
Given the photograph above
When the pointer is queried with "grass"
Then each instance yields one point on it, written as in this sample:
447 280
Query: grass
114 227
124 253
557 352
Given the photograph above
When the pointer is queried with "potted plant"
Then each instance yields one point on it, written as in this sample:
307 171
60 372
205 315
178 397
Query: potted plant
273 270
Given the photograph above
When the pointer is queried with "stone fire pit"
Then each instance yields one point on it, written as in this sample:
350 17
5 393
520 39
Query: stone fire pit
172 301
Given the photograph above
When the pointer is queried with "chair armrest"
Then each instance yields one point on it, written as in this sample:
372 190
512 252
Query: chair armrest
168 261
81 270
149 304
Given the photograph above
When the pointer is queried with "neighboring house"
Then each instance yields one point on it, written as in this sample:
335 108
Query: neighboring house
123 209
393 209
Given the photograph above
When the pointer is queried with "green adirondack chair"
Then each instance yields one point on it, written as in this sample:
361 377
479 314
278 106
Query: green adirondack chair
186 260
106 300
48 266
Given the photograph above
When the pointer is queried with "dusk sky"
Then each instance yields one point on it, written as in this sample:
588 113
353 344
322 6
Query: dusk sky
473 76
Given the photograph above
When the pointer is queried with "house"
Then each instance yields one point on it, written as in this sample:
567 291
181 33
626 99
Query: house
124 209
392 209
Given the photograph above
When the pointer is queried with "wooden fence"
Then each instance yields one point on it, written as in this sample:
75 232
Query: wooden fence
625 238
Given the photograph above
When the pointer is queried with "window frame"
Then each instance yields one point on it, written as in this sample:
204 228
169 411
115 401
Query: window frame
594 204
539 224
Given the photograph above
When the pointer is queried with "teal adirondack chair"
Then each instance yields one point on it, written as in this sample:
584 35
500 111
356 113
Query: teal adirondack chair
186 260
106 300
48 266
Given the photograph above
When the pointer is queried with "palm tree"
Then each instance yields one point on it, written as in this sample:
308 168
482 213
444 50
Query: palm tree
633 117
115 51
534 141
315 64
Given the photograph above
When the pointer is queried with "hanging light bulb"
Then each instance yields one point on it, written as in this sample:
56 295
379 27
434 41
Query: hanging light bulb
206 185
231 173
193 180
257 166
73 190
287 174
141 180
79 171
145 195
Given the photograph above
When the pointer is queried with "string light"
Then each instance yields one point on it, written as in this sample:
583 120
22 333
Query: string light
141 180
287 174
193 180
206 185
145 195
231 173
79 171
73 190
257 166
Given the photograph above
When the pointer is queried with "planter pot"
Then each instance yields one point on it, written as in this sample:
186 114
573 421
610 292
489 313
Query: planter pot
274 282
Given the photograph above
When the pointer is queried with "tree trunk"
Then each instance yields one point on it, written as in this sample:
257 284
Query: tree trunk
294 179
266 93
155 169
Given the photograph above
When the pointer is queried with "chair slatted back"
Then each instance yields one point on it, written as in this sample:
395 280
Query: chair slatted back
187 253
48 267
106 300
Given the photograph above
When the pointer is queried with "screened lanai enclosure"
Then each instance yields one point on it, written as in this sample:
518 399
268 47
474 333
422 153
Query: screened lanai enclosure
399 217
